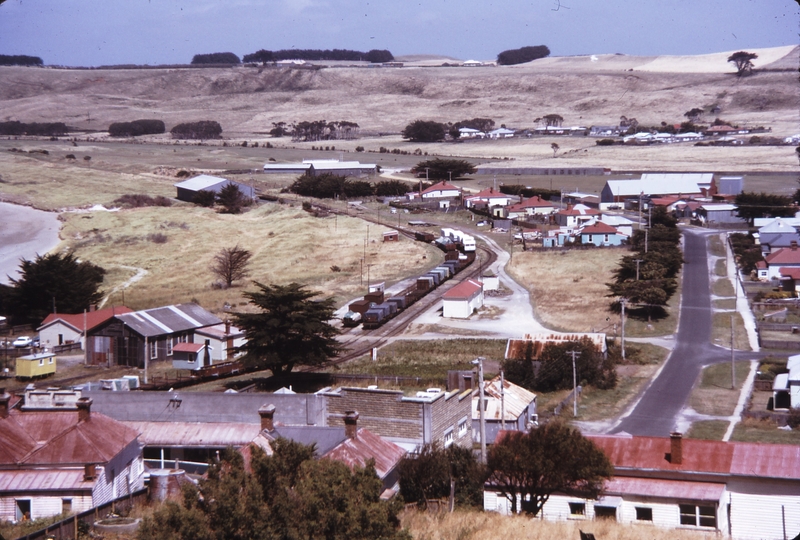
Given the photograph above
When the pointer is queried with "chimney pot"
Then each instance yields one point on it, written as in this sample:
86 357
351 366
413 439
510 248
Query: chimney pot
5 399
84 405
267 413
227 327
676 448
351 424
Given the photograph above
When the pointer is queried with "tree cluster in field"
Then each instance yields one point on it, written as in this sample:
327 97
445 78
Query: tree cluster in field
216 58
527 466
316 130
751 205
141 200
46 129
432 131
136 127
647 285
552 370
53 281
522 55
443 169
374 56
331 186
204 129
289 494
481 124
746 251
19 60
230 198
528 192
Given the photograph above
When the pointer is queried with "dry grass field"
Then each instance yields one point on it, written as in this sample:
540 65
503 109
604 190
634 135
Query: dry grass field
287 245
473 525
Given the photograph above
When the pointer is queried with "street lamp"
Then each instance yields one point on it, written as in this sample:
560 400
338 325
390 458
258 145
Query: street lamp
481 405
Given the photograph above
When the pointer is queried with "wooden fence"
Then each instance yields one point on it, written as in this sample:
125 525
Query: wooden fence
779 344
69 528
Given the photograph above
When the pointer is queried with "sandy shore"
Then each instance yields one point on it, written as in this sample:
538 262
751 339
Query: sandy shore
24 232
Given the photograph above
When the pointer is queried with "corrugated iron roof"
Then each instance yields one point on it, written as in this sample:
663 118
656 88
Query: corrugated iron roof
599 228
533 344
441 186
200 182
44 480
668 489
93 318
783 256
168 319
516 398
188 347
218 331
366 446
199 434
464 290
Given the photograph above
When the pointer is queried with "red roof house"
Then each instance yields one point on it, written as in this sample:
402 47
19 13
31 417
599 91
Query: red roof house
62 328
463 299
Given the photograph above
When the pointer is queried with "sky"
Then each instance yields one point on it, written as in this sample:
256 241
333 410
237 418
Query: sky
106 32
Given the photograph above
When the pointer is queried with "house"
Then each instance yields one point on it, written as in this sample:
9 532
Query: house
533 206
622 224
57 456
441 190
350 444
470 133
576 216
488 198
432 416
501 133
790 279
658 185
188 188
191 356
463 300
786 386
63 328
136 338
604 131
739 490
507 407
719 213
601 234
532 345
782 258
780 233
223 340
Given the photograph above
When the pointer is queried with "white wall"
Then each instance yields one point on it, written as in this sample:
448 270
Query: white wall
49 335
759 509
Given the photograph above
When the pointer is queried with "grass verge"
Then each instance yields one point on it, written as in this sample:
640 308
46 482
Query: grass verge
727 304
721 267
716 246
714 396
763 431
721 331
722 287
709 430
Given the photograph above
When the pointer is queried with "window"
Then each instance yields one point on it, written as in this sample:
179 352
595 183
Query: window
448 437
153 350
66 506
606 238
698 516
41 361
577 509
50 360
605 512
462 427
644 514
169 346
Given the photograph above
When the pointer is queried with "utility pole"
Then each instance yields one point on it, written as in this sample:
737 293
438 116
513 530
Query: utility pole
502 401
637 261
645 240
574 384
622 342
481 406
733 365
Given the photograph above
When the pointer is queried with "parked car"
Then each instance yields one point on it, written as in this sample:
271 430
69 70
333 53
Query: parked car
22 341
35 342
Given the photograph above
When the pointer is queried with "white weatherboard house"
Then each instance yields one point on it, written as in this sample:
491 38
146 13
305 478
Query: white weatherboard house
786 387
733 489
463 299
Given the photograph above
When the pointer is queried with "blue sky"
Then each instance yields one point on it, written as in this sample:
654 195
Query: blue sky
101 32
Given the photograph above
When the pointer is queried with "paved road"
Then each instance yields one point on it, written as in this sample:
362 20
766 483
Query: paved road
657 412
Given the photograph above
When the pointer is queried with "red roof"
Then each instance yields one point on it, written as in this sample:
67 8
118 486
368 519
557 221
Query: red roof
59 438
665 201
570 211
464 291
188 347
489 193
793 273
367 445
93 318
599 228
783 256
441 186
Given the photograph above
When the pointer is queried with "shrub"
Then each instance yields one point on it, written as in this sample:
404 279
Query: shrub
376 56
135 128
204 129
205 198
424 131
522 55
157 238
141 200
604 142
359 148
216 58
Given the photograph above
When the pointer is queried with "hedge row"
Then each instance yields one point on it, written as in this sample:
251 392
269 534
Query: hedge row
137 127
48 129
19 60
204 129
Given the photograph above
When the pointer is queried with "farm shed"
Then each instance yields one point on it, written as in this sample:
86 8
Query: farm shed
62 328
463 299
62 457
188 188
719 213
316 167
391 236
658 184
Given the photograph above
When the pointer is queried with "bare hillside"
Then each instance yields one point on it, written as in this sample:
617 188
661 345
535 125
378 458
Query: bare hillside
247 100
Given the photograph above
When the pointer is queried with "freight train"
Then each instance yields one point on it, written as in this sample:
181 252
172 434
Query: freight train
375 309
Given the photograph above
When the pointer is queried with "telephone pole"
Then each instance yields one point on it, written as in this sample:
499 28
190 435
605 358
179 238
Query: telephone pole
733 365
622 342
637 261
574 384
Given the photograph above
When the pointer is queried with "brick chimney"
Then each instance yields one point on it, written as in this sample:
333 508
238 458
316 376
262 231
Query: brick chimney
89 471
5 399
267 413
227 327
84 405
351 424
794 245
675 448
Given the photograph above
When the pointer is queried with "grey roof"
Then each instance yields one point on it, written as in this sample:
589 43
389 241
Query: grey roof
325 438
297 409
661 184
199 183
776 240
168 319
780 225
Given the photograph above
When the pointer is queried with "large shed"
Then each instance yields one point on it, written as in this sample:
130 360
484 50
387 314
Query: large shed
463 299
189 188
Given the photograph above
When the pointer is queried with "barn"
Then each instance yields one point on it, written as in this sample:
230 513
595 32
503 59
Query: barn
188 188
